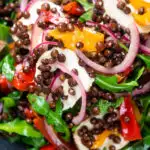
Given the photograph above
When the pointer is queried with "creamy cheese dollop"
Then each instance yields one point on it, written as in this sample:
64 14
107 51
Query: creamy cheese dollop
70 63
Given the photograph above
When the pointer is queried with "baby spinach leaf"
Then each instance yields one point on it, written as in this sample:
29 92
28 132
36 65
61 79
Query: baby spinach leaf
104 105
8 67
20 127
145 59
39 104
110 84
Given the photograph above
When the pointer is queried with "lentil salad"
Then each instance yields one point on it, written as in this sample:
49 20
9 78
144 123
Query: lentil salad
74 75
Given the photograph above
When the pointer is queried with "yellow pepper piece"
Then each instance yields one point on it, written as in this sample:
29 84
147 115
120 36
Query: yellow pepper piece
100 139
137 113
143 20
140 3
87 36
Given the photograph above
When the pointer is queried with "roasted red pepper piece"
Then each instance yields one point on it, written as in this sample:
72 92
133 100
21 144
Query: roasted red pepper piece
22 80
39 124
73 8
4 85
130 127
48 147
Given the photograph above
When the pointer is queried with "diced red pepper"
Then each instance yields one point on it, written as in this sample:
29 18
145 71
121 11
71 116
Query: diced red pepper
48 147
73 8
130 127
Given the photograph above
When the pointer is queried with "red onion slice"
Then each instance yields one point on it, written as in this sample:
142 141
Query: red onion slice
143 90
36 36
148 42
55 83
77 119
45 44
143 48
126 63
29 5
1 107
55 140
109 32
23 5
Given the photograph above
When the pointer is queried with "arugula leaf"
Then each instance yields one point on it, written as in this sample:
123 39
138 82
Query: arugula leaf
35 142
136 74
110 84
39 104
145 59
8 102
20 127
86 16
55 118
104 104
59 108
139 73
8 67
86 5
16 95
4 35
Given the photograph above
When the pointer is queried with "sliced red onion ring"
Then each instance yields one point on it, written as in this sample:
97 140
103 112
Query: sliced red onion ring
55 140
46 31
29 5
143 48
45 44
143 90
109 32
148 42
1 107
77 119
56 82
126 63
37 33
23 5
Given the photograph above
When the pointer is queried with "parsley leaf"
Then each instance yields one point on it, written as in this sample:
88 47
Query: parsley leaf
104 104
110 84
8 67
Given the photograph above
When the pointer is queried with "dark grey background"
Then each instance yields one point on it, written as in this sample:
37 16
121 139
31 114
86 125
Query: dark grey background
5 145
